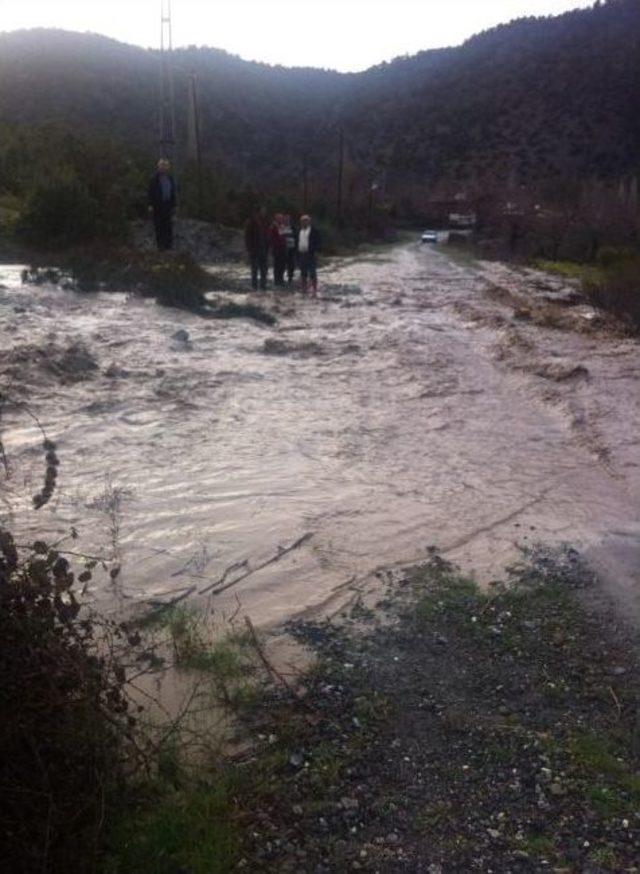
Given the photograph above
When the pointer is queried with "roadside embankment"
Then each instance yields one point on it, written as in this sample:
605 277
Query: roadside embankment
613 284
610 283
446 729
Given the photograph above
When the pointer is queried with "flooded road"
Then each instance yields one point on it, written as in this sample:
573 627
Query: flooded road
283 466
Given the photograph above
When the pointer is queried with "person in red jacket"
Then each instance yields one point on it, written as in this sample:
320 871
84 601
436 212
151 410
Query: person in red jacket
278 244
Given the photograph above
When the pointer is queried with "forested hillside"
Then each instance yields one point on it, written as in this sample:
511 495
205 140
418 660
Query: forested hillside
536 100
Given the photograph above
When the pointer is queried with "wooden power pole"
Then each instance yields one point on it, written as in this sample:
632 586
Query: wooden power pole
194 149
305 183
340 177
167 94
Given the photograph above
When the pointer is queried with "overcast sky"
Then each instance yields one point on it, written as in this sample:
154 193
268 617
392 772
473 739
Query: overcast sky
342 34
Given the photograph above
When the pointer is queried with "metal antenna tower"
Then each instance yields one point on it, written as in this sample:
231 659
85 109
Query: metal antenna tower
167 106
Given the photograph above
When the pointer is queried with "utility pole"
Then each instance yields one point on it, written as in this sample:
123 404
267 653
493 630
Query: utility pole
372 190
340 177
194 151
305 183
167 106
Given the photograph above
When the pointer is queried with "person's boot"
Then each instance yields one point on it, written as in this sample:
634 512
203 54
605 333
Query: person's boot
314 288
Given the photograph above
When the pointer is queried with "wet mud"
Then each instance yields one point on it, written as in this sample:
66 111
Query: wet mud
276 468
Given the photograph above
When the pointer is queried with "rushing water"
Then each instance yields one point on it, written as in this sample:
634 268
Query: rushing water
387 419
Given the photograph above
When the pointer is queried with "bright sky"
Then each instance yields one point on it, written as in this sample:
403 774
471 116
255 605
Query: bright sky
342 34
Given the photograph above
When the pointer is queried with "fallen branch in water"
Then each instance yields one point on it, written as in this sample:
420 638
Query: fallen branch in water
219 586
165 605
236 566
270 669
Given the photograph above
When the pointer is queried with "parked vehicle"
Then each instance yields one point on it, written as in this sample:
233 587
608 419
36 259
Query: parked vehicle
429 236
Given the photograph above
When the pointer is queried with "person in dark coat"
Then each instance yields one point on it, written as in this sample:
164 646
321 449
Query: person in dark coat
256 240
162 204
308 248
278 243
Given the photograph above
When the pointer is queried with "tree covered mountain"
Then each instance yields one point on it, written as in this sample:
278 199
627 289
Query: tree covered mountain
539 99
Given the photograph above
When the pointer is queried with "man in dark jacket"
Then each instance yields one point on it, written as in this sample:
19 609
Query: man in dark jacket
162 204
256 239
308 248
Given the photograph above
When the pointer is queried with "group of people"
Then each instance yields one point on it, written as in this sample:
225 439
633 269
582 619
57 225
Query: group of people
289 247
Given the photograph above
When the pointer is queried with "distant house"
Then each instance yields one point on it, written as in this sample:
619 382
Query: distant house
451 212
462 220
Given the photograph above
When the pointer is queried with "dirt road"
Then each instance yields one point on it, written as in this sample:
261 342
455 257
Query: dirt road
415 406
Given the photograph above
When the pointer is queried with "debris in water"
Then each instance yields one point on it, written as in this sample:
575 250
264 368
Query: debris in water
275 346
29 363
232 310
181 336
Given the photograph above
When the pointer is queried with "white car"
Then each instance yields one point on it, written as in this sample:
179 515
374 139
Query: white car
429 237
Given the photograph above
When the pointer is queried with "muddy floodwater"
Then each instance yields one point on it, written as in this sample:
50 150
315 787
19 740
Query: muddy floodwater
411 408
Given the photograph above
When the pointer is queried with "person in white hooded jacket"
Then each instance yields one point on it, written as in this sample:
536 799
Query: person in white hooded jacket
308 246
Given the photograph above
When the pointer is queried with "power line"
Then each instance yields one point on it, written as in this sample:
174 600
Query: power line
167 98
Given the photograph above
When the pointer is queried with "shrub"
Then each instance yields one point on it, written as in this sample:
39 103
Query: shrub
62 212
59 211
64 724
618 291
610 256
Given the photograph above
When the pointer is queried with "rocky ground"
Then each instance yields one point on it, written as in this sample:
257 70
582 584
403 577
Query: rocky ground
203 241
453 731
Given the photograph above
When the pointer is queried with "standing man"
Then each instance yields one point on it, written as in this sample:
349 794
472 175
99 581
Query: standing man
308 248
256 239
162 204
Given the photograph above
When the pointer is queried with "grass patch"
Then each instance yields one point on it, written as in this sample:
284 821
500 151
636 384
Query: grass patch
227 666
192 828
441 591
611 784
571 270
605 857
195 650
538 845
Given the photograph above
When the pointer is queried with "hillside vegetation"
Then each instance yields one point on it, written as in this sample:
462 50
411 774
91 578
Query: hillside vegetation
536 99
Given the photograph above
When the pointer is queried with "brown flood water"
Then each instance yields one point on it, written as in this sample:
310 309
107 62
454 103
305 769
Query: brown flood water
406 411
